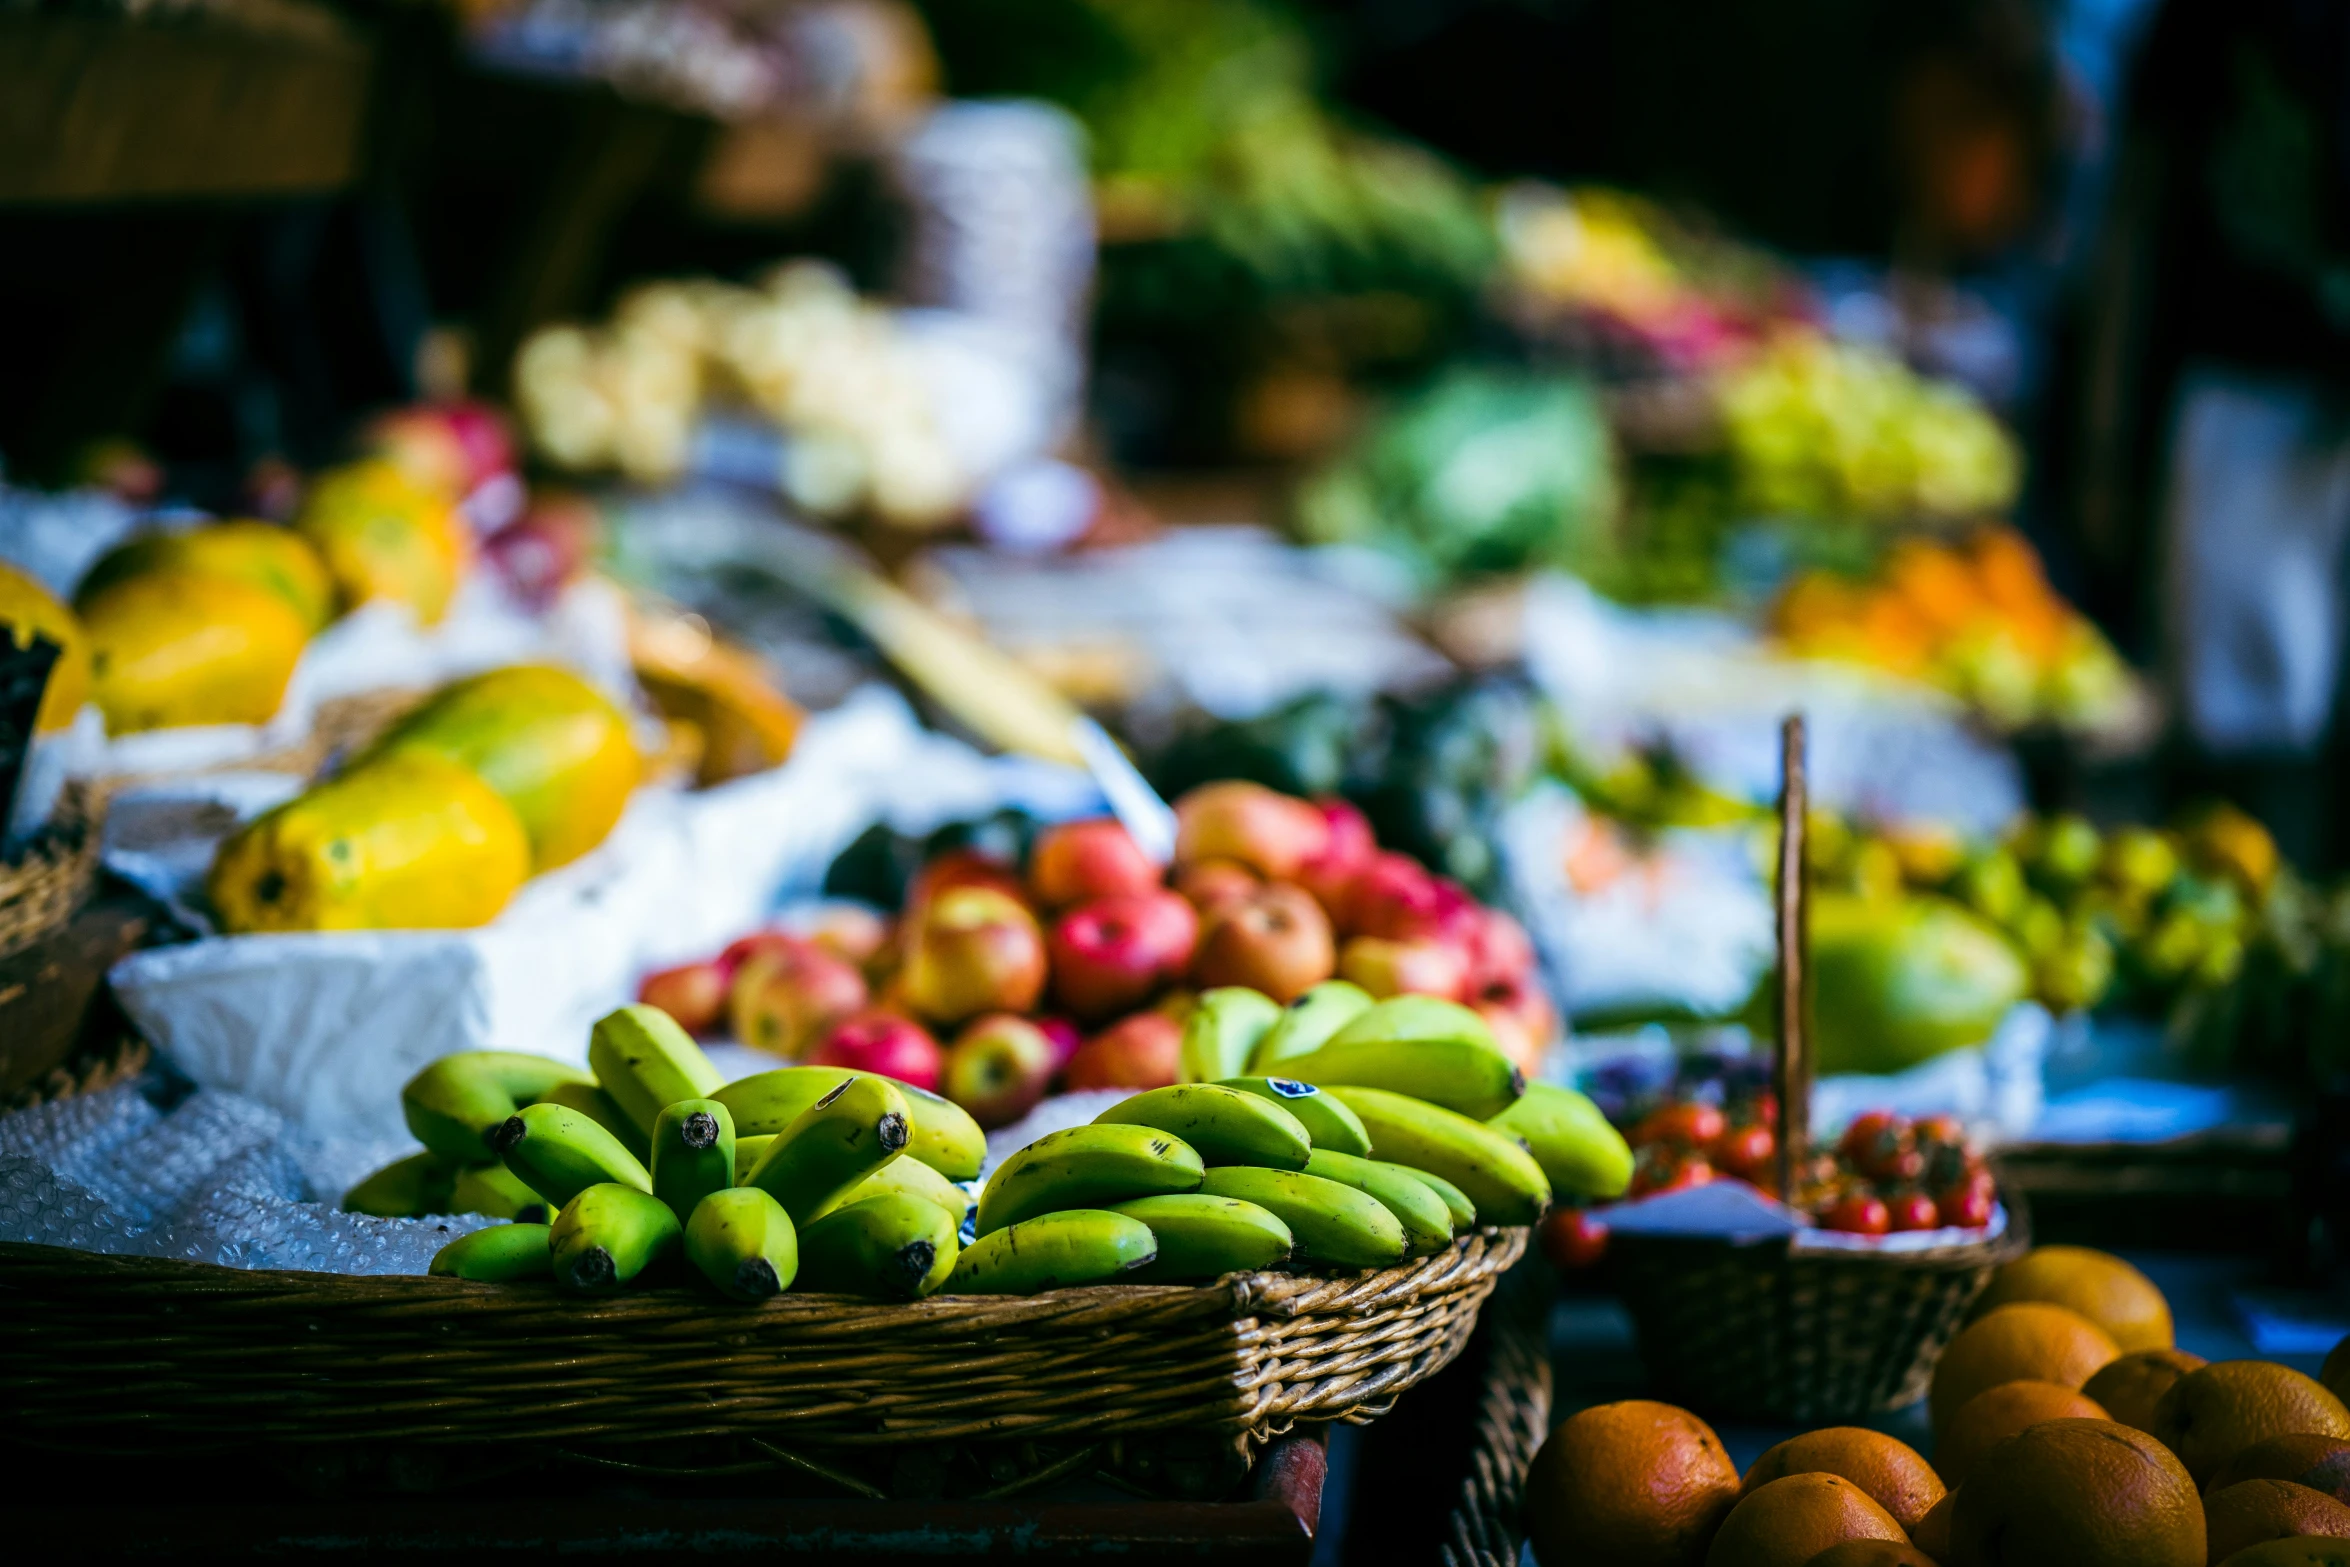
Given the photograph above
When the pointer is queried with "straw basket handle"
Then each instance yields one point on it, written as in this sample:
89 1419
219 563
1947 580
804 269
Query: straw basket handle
1791 1058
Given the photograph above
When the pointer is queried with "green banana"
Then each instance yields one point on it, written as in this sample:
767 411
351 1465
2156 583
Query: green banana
453 1105
908 1178
1497 1175
1426 1220
406 1188
501 1254
647 1063
1221 1031
608 1235
1332 1225
1455 1073
944 1135
1085 1167
1307 1022
1571 1139
1416 1020
1456 1201
743 1243
1054 1251
597 1106
1203 1237
1329 1123
1222 1125
892 1244
497 1192
693 1153
748 1151
833 1145
559 1153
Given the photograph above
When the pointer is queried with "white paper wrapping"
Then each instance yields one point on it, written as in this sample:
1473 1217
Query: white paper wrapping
326 1027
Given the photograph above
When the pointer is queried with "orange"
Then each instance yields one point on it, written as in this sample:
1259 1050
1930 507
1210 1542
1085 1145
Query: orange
2254 1512
2308 1551
1995 1414
2098 1285
2131 1387
2042 1342
1871 1553
1791 1520
1893 1474
2211 1415
2320 1462
1932 1535
2078 1493
1635 1484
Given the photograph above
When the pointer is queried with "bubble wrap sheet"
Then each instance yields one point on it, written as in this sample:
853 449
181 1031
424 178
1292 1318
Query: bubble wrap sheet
214 1177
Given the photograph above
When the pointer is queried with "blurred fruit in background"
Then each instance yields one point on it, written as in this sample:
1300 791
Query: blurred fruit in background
173 647
385 535
260 554
741 719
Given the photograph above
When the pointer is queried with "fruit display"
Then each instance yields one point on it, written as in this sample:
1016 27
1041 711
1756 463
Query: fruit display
1824 429
1085 962
2066 1428
440 823
835 373
1485 472
386 536
2136 916
650 1166
1975 618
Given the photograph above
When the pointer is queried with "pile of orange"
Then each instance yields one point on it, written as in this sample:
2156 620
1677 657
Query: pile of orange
2069 1431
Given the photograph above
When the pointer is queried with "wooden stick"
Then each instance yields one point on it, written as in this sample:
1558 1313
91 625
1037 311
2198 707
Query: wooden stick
1791 1073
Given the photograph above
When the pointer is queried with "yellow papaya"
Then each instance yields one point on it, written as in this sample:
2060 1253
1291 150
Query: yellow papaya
173 648
27 610
260 553
384 535
553 746
408 842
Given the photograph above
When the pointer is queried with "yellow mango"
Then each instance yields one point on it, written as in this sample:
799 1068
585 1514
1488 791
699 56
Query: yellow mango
259 553
384 535
409 842
173 648
553 746
747 725
27 610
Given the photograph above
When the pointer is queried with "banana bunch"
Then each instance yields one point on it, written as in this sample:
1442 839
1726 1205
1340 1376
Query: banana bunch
1385 1130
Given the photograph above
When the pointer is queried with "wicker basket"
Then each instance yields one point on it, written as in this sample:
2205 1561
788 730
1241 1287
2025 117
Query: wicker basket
1513 1419
130 1352
1778 1330
47 886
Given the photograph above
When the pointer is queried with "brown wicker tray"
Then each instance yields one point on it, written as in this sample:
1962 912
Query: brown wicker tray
41 890
133 1353
1778 1331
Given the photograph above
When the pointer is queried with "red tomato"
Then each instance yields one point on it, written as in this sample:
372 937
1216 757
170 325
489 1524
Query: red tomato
1947 1130
1682 1126
1573 1239
1882 1146
1748 1152
1915 1211
1858 1215
1966 1205
1662 1170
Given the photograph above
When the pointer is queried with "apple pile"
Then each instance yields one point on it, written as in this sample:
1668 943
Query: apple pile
1079 967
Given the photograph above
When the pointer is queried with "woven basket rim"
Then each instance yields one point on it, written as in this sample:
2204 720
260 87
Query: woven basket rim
47 884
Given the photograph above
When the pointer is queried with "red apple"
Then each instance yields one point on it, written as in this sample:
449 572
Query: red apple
1346 853
1142 1051
882 1042
999 1067
786 996
1113 954
975 950
1065 1035
962 868
1272 834
1405 968
1500 951
1276 940
1076 862
743 948
1399 898
545 549
1521 1018
850 932
1211 884
692 993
